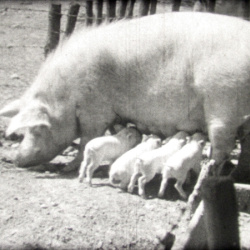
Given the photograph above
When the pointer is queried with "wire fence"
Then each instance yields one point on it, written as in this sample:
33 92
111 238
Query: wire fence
79 19
82 17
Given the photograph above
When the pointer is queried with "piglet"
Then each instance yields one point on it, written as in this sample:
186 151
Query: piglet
122 169
108 149
179 164
151 163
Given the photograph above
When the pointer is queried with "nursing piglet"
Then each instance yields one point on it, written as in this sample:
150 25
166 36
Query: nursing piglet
178 165
108 149
151 163
122 169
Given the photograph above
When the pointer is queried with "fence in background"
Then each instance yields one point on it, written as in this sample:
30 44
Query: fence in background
97 11
124 10
115 10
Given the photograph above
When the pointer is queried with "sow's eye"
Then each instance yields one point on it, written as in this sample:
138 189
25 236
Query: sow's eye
37 130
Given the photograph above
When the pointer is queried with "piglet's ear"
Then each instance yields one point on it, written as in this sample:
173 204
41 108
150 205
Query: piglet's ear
202 143
159 143
167 140
11 109
129 135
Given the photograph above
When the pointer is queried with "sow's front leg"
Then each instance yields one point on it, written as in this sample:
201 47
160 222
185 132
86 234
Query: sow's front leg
75 164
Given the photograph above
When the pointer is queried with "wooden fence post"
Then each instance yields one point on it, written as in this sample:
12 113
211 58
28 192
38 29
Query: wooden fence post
72 17
131 8
215 222
153 7
89 12
176 5
54 28
194 198
144 7
99 11
220 213
211 5
195 236
123 8
111 6
246 8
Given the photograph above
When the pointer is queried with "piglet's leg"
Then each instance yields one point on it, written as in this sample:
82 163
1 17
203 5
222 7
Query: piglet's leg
83 169
90 171
141 186
181 177
135 175
178 186
142 182
163 186
133 180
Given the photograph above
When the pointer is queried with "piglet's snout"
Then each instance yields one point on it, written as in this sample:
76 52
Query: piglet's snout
115 181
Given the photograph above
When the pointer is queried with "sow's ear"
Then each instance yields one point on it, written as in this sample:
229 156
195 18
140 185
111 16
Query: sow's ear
26 119
11 109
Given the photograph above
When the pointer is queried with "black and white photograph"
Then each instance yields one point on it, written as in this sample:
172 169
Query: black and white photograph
124 124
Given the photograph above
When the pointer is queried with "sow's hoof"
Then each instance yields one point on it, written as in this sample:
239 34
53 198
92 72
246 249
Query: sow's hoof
69 168
73 165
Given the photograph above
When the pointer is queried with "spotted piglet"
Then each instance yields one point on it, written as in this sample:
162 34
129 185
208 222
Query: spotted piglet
107 149
178 165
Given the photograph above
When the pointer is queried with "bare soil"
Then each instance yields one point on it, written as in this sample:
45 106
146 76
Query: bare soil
41 208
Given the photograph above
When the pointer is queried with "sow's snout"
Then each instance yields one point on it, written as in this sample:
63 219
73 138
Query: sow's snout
27 159
34 150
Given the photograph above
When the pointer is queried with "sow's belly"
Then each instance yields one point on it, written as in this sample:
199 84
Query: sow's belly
164 122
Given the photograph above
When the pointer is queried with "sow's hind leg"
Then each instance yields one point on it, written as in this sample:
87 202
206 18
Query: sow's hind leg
224 106
222 136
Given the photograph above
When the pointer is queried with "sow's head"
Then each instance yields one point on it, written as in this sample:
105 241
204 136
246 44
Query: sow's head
33 123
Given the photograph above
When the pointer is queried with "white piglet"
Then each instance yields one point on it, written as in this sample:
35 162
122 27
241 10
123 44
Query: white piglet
122 169
107 149
151 163
178 165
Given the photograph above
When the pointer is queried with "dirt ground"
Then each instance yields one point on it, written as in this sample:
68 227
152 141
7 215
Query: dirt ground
51 210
